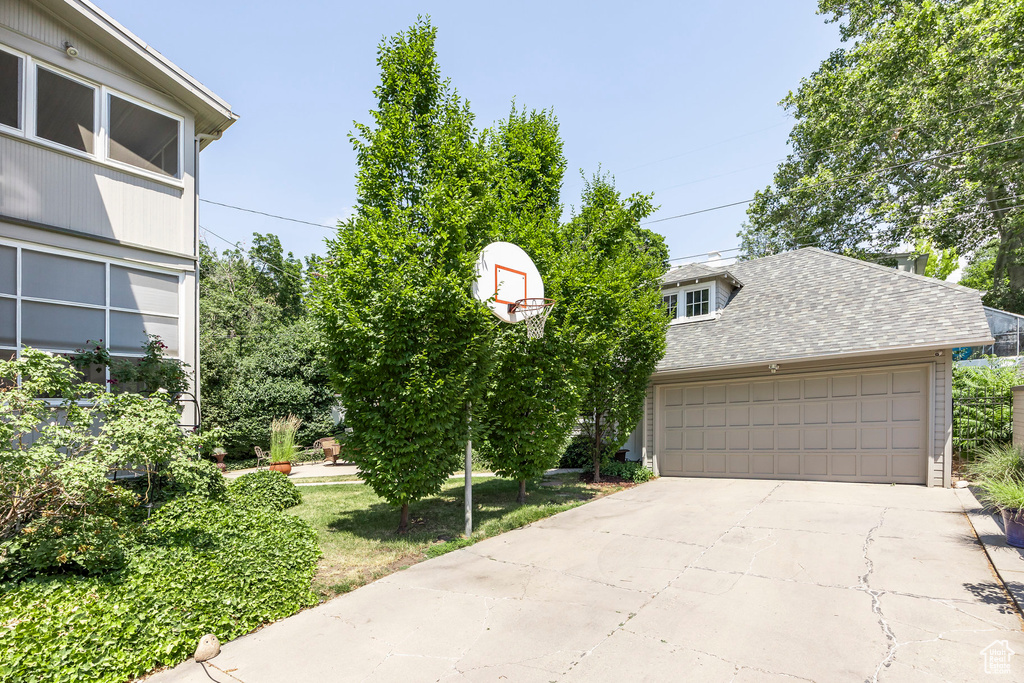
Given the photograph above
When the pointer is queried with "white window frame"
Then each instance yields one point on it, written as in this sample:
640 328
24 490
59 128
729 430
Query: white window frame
110 92
101 114
681 290
669 306
22 93
19 296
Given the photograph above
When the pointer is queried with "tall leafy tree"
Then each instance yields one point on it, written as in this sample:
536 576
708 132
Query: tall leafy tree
533 393
408 345
909 131
260 357
608 274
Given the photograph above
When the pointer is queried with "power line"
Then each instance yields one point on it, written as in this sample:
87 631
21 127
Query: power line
849 177
270 215
248 253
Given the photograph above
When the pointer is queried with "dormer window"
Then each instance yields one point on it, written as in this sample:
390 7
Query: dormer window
690 302
698 302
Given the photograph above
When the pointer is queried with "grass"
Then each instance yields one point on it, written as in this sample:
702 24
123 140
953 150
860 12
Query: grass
357 530
326 480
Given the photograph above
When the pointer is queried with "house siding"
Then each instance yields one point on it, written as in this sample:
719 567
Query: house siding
1018 416
723 292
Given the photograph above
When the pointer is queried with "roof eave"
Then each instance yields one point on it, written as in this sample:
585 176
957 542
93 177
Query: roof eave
982 341
125 45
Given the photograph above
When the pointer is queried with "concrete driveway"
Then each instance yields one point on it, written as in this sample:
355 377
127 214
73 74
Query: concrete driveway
679 579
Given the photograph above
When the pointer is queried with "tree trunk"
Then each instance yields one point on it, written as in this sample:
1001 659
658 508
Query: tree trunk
522 492
597 447
403 524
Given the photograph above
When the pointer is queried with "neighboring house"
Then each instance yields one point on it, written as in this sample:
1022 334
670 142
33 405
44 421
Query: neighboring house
808 365
99 154
1007 330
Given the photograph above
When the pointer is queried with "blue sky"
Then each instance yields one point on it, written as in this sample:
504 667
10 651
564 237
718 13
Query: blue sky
675 98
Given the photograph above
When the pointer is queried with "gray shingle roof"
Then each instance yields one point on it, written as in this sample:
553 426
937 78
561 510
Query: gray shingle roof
811 303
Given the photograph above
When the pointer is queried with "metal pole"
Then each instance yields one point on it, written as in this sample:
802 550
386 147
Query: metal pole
469 471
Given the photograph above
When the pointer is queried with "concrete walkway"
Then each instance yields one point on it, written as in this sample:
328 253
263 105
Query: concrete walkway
679 579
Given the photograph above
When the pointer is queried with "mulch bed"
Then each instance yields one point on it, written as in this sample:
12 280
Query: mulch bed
606 480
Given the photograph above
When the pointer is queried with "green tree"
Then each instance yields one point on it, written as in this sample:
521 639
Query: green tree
907 132
408 345
608 277
533 393
260 357
977 274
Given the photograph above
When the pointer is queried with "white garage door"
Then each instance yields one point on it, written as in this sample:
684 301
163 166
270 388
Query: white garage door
869 425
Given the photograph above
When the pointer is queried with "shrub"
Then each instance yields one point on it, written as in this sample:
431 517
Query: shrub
265 490
58 509
282 438
202 567
630 470
578 454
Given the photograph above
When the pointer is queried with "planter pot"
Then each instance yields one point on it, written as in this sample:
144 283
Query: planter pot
1013 524
282 467
219 455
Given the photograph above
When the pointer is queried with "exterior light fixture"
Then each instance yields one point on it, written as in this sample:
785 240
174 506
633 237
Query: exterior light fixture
70 49
774 367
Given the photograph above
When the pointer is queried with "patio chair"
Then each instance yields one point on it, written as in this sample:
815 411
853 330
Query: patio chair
262 459
329 447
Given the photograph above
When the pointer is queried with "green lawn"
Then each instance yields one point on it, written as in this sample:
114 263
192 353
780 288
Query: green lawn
322 480
357 530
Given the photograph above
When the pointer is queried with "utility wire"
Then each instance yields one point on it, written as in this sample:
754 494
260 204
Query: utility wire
270 215
250 255
848 177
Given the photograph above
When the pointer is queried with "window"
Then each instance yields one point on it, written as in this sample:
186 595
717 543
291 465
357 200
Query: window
65 111
671 303
142 137
698 302
58 302
10 90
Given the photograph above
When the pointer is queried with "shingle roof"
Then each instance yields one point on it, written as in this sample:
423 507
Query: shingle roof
811 303
692 271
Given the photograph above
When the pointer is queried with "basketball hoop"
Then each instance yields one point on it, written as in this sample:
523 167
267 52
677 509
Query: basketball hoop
535 312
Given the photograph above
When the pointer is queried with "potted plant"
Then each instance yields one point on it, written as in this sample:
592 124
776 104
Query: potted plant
218 454
283 450
998 473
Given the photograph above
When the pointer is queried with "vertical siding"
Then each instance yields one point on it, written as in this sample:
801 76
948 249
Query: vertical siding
648 445
939 465
35 22
48 187
724 291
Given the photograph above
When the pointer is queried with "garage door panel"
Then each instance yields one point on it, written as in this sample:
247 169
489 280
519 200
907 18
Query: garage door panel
850 426
844 439
714 463
762 439
738 416
844 412
816 388
816 464
874 465
815 413
714 417
739 464
844 465
815 439
788 464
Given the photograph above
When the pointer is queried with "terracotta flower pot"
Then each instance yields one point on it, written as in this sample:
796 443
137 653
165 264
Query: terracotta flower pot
282 467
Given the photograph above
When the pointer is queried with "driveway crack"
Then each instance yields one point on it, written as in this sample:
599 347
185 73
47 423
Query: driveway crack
876 602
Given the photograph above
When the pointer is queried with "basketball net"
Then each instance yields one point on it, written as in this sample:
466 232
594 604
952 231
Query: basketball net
535 312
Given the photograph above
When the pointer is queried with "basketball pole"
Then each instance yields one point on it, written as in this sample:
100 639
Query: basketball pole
469 470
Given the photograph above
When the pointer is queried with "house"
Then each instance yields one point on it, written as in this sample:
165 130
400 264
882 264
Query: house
99 162
1007 330
807 365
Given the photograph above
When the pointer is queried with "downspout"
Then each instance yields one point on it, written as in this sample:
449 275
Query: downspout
195 250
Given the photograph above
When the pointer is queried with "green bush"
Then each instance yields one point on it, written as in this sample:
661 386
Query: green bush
630 470
202 567
265 490
579 454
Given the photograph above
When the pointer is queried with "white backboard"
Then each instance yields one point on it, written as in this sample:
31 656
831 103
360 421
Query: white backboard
505 274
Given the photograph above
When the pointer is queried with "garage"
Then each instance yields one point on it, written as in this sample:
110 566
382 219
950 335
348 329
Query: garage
868 425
